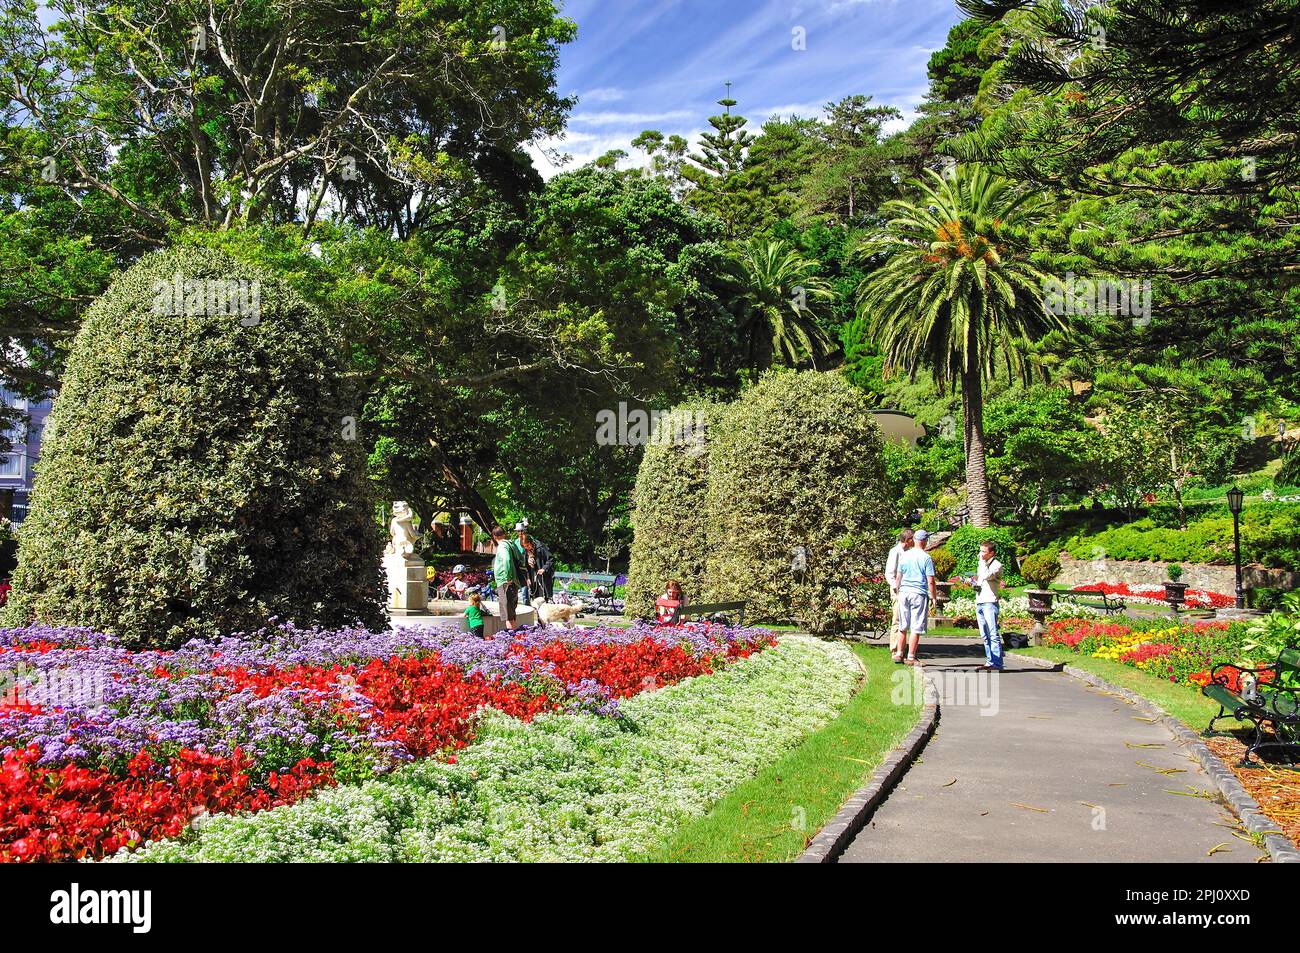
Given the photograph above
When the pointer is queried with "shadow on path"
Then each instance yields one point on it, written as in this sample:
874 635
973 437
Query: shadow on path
1033 765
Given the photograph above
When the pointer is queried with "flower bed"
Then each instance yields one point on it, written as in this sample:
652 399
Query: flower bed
473 578
105 748
560 787
1195 598
1183 654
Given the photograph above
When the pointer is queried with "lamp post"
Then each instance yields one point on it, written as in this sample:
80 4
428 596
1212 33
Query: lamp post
1235 500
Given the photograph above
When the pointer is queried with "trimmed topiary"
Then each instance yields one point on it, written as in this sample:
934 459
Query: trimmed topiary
1040 569
669 540
944 563
200 473
796 514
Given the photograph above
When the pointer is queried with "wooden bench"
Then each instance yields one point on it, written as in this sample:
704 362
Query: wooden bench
1259 702
716 612
588 583
1089 597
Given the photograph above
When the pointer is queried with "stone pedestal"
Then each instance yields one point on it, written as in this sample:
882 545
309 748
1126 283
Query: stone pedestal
408 585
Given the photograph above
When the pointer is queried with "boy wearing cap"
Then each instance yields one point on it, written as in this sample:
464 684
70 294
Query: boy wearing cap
915 580
458 585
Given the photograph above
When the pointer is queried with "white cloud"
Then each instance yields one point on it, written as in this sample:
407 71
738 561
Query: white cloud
604 94
612 118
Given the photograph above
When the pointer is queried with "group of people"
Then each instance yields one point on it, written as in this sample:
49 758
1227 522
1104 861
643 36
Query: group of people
909 571
522 569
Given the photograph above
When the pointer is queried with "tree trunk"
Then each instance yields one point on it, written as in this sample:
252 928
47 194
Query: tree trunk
977 480
463 492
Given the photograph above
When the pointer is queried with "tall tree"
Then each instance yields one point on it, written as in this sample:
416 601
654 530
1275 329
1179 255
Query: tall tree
856 171
956 293
777 294
715 169
276 110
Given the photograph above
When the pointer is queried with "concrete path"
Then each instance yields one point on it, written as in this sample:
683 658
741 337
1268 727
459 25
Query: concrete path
1033 765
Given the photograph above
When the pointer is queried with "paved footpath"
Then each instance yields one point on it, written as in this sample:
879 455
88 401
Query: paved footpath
1054 770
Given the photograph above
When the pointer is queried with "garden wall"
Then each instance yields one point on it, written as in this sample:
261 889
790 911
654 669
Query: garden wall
1081 572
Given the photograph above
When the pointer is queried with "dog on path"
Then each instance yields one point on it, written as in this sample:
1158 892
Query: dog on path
553 613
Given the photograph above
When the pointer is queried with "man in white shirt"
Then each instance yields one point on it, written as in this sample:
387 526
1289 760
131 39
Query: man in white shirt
988 588
891 572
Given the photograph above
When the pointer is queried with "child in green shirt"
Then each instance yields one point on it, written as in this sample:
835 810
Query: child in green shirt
474 614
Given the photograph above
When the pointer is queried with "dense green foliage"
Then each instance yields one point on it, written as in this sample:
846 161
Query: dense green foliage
964 544
669 522
1270 535
1040 569
945 564
197 478
794 504
489 316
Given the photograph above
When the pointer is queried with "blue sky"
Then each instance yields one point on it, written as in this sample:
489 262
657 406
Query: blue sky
662 64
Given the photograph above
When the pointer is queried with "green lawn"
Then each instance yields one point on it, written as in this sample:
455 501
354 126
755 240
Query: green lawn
771 816
1185 703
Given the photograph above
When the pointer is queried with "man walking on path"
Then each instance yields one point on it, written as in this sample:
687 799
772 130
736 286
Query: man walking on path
904 543
507 573
988 588
916 589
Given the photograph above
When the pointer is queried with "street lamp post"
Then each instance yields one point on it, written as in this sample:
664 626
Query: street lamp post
1235 500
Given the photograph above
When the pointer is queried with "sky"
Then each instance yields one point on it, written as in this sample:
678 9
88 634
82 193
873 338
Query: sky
663 64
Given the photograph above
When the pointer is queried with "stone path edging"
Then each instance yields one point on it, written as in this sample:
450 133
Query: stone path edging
1279 846
840 830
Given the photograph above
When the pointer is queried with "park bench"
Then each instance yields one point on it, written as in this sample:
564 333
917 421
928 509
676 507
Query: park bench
716 612
1091 598
598 587
1247 697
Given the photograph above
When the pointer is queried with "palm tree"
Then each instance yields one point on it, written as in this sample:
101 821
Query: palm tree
955 294
775 297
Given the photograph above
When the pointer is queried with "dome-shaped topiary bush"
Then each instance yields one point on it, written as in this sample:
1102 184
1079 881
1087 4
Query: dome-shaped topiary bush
199 473
1040 569
945 564
668 532
796 514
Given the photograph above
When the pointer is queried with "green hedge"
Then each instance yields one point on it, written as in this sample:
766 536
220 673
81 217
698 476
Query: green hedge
668 533
1270 535
795 463
198 475
964 544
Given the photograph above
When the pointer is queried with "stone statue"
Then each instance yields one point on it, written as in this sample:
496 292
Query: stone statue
401 532
408 585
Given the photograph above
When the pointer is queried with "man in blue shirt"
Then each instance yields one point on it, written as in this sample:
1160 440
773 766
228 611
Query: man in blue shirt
914 578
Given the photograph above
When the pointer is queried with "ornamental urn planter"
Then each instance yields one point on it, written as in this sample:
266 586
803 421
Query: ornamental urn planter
943 595
1175 595
1040 607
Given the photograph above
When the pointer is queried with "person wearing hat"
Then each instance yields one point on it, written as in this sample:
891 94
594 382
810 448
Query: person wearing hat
528 585
458 585
914 578
897 645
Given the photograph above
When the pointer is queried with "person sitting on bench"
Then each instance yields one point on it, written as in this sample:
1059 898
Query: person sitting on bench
670 606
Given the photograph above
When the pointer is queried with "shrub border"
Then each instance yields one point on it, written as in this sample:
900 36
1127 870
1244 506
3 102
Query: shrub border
836 835
1247 809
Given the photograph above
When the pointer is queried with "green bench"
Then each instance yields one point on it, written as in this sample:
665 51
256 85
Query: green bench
587 582
716 612
1260 703
1091 599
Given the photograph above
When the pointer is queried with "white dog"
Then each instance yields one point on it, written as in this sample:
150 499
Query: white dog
552 613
